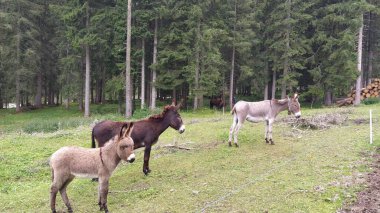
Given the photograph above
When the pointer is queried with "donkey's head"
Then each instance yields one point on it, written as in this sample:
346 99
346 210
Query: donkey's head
125 143
294 106
175 121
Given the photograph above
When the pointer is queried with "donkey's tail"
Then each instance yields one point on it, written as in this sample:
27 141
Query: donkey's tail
93 145
233 110
52 174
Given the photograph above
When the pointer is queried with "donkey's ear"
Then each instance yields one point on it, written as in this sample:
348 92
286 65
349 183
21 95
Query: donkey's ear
174 102
123 129
178 105
296 96
128 132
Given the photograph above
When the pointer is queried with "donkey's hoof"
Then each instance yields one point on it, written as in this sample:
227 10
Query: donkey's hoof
271 142
95 179
266 140
146 171
229 143
236 145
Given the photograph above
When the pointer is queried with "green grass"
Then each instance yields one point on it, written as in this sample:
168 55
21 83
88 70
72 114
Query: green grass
306 171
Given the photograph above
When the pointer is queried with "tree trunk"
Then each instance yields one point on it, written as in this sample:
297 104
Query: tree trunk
197 67
328 97
370 49
359 65
88 80
1 98
46 94
57 97
103 94
266 89
286 60
370 66
120 102
274 84
232 93
67 102
38 97
18 58
128 85
153 94
81 86
142 97
99 88
1 101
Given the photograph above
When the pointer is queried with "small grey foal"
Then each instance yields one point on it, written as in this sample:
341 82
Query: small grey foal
70 162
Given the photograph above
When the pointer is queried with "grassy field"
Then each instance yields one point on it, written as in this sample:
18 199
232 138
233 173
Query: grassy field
306 171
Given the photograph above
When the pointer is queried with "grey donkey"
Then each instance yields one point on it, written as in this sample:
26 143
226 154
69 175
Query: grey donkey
261 111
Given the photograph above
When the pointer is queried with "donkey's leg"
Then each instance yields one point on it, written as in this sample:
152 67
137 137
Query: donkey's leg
146 169
103 192
237 129
53 196
270 131
266 131
232 129
64 194
57 183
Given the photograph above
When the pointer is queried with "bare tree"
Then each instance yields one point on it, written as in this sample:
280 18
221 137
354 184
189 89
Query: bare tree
154 73
266 89
143 74
359 79
18 58
197 67
88 68
37 100
128 86
233 61
286 60
274 85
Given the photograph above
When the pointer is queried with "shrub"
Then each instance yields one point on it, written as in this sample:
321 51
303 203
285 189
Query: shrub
54 125
372 100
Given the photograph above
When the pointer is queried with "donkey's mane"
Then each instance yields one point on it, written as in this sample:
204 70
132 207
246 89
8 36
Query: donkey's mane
162 114
280 101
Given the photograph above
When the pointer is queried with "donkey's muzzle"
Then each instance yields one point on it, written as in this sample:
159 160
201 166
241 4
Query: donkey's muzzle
182 129
131 158
297 114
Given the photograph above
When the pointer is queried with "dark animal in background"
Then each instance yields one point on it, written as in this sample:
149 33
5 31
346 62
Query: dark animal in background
70 162
145 132
217 102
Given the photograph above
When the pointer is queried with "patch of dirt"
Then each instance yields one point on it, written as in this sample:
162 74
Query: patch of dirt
368 200
210 145
322 121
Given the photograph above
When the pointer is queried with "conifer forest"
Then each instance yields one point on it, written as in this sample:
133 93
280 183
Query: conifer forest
138 52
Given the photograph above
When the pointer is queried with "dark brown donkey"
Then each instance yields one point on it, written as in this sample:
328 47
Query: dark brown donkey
145 132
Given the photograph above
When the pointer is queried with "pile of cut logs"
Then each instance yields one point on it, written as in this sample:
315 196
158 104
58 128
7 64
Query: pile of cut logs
371 90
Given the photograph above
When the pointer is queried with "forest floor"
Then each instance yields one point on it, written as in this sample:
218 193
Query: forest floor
320 163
